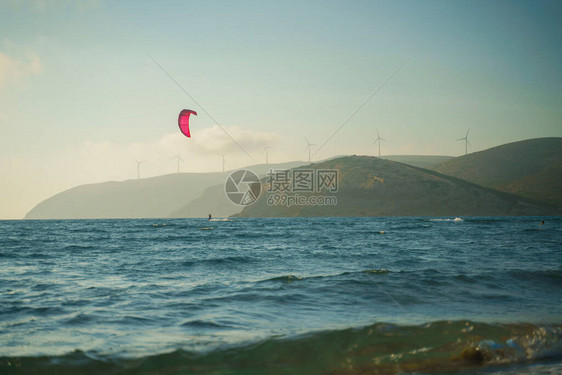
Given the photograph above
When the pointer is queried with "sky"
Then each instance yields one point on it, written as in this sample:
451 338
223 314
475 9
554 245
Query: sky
82 97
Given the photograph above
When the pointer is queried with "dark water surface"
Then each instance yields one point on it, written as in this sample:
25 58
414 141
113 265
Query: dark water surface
304 295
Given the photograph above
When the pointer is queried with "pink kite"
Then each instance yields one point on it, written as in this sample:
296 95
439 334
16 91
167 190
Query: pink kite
183 121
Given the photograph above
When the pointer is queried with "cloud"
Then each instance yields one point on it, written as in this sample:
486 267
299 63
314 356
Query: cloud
214 139
14 71
207 141
109 160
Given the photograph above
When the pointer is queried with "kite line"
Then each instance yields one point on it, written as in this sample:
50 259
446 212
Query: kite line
363 105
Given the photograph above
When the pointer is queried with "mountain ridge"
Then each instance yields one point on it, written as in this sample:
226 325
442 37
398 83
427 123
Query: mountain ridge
372 186
157 196
529 181
530 168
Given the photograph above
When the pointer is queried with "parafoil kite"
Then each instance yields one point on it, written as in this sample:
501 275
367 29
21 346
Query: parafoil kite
183 121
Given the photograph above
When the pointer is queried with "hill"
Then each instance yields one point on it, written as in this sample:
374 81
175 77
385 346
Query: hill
148 197
370 186
531 168
214 199
422 161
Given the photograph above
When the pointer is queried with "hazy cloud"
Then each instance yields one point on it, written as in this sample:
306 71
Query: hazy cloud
14 70
214 139
108 160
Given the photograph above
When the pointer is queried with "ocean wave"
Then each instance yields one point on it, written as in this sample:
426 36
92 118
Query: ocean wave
291 278
550 276
74 247
382 348
284 278
217 261
456 219
205 324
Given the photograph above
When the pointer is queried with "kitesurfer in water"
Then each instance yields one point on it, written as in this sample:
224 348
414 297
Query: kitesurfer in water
209 217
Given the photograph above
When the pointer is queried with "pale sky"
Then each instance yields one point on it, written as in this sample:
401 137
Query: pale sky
80 98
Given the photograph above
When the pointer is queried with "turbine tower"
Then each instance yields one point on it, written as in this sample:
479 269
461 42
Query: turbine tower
379 139
179 158
222 161
308 147
266 148
138 167
466 144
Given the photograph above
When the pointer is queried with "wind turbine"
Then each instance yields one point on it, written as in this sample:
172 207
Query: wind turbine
465 139
138 167
179 158
308 147
222 161
266 148
379 139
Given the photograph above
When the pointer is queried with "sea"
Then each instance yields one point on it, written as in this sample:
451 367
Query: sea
416 295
